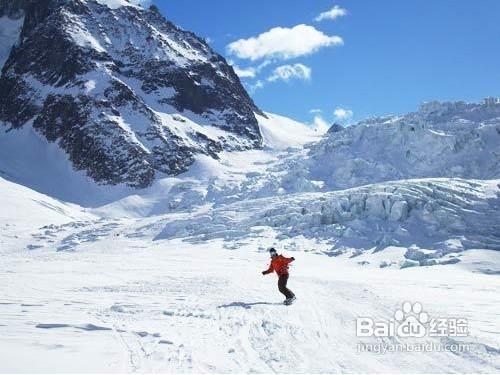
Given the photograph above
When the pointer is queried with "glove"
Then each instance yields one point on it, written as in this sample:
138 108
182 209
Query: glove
263 272
292 258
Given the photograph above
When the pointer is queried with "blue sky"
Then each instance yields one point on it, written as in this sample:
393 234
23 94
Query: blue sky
362 58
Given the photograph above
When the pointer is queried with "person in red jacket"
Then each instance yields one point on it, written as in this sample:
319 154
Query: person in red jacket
279 264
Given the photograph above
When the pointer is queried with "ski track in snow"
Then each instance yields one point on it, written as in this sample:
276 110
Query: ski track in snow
170 306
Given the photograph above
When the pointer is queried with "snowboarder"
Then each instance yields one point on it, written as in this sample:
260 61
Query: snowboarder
279 264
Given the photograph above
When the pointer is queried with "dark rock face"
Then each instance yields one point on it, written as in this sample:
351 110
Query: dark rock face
123 91
13 8
335 128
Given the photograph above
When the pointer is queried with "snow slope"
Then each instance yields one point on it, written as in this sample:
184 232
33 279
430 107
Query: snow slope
123 303
24 211
279 132
167 279
20 204
29 159
9 33
234 176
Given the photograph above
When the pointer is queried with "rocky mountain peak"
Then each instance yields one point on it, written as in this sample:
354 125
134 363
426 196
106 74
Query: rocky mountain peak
124 92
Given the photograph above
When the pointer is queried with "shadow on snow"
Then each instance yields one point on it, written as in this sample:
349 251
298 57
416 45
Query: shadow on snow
246 305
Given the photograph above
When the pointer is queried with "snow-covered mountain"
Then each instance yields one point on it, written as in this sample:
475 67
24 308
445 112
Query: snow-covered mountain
124 92
450 139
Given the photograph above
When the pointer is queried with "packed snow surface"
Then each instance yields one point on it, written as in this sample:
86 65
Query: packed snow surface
116 301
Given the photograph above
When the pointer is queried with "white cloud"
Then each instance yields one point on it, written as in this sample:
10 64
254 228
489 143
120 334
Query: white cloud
331 14
342 113
143 3
262 65
250 72
287 72
254 87
281 73
320 124
315 111
283 43
244 72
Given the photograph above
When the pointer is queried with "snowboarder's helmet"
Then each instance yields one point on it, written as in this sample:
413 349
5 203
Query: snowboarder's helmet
273 252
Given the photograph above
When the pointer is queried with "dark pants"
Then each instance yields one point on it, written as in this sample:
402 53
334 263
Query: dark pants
282 280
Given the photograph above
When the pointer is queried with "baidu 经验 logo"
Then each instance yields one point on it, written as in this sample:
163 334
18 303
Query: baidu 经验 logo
411 321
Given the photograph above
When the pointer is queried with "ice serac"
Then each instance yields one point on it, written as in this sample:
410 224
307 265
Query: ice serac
450 139
124 92
427 212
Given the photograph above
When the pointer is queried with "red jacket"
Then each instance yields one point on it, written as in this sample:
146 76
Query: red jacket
279 264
